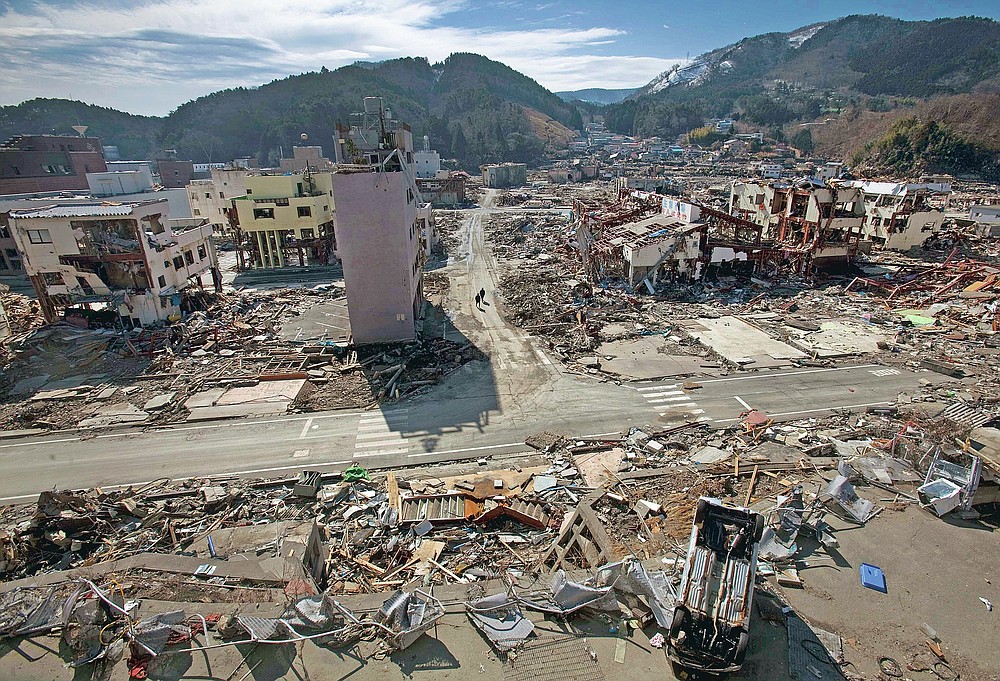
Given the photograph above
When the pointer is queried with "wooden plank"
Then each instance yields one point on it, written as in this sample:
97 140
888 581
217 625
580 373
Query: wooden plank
753 483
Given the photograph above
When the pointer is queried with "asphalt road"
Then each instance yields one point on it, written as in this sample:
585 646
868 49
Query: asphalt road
483 409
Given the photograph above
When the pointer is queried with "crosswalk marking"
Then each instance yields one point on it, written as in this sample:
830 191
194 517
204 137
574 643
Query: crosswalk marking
656 387
381 434
884 372
671 403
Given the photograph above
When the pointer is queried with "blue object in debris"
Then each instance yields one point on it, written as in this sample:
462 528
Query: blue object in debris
211 547
873 578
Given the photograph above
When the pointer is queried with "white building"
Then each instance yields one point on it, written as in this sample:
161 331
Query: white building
120 182
898 215
211 198
130 257
987 215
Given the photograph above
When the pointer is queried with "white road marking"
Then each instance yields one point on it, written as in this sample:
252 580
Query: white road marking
884 372
788 373
820 409
657 387
664 394
381 452
671 399
300 453
742 401
380 443
305 428
369 436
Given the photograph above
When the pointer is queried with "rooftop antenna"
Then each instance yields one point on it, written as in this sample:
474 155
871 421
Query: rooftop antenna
81 130
427 143
304 137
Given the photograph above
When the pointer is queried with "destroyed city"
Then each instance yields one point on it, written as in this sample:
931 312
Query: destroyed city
499 340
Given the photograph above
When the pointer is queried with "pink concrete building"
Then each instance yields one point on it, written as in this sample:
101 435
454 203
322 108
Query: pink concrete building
379 241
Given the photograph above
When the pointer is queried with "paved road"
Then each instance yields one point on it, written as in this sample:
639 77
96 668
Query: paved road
784 395
485 408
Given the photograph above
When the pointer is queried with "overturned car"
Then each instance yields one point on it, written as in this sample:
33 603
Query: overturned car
711 620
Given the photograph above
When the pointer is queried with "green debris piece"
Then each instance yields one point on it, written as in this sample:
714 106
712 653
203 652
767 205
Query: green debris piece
355 473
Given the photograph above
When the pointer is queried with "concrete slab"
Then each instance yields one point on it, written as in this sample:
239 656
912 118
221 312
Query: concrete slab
738 341
205 398
327 321
265 391
649 357
159 401
840 338
235 411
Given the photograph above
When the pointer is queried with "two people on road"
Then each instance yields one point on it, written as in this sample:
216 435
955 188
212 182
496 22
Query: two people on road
481 300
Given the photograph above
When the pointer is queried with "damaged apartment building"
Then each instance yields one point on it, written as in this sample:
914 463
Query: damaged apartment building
110 260
833 221
645 240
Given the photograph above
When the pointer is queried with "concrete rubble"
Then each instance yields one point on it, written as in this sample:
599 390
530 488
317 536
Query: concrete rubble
614 512
247 353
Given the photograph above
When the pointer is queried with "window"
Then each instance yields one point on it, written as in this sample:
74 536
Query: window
3 264
409 196
208 195
39 236
249 191
162 281
166 264
189 257
178 262
201 252
304 211
221 196
263 213
194 196
11 252
197 211
326 208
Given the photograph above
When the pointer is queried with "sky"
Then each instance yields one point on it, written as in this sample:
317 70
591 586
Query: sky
150 56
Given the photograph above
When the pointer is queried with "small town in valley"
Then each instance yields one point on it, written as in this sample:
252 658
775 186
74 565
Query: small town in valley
420 370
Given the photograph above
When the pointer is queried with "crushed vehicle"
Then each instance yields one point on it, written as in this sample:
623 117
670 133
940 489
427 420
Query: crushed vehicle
711 620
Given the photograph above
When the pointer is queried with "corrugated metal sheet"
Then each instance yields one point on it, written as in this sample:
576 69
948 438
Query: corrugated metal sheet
83 211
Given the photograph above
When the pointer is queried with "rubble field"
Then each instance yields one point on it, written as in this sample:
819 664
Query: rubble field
246 353
584 530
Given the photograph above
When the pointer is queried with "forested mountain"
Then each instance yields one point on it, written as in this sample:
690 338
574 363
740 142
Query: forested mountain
872 62
472 108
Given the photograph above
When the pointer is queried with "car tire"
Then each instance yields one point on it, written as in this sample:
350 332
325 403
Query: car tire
758 528
741 647
676 623
699 512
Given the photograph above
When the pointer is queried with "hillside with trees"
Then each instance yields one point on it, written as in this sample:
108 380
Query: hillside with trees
822 71
473 109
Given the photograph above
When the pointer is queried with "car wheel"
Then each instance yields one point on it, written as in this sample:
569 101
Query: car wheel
741 647
676 623
758 528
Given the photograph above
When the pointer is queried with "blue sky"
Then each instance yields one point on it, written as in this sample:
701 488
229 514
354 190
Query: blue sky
149 56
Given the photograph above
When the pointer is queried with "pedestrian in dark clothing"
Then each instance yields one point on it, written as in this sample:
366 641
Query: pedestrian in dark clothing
482 294
478 306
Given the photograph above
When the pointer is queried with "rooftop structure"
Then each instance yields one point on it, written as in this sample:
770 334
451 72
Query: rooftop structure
42 163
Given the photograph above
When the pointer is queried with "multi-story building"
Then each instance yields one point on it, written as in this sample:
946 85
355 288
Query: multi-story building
127 257
289 219
505 175
48 163
898 216
448 190
212 198
305 158
379 242
174 173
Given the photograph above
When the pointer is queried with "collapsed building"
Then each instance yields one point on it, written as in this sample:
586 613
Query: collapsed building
837 219
127 260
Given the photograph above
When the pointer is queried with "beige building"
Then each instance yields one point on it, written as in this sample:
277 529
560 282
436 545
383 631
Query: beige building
289 219
127 257
212 198
898 216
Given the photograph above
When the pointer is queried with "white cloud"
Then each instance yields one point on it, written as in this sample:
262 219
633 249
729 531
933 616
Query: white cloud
149 58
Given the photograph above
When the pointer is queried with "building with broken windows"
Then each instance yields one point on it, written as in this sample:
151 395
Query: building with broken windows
645 239
505 175
212 198
900 216
288 219
819 221
126 259
48 163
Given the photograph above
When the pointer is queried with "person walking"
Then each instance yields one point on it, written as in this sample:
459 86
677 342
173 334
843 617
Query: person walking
478 306
482 294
